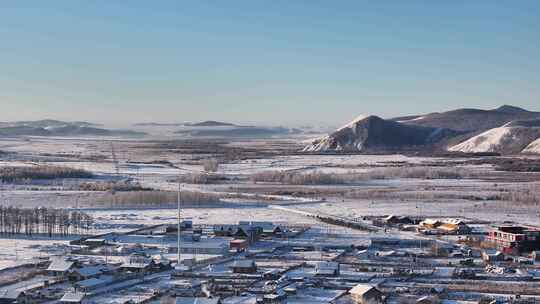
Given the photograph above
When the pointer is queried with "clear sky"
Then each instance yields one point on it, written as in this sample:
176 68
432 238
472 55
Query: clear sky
275 62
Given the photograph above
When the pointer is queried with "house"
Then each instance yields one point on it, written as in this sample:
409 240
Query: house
275 298
87 272
125 249
454 226
92 243
162 262
396 220
225 230
248 232
428 300
73 298
430 223
446 226
184 225
492 255
188 300
366 294
239 245
9 296
327 269
60 267
138 263
515 239
384 242
266 228
212 246
94 283
244 266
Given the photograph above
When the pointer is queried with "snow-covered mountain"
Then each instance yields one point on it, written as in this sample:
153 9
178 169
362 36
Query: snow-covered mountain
470 120
506 129
513 137
374 133
533 147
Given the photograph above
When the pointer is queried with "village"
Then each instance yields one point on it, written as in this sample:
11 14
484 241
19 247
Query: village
376 259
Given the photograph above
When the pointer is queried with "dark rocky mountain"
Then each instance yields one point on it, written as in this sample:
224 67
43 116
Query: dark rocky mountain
470 120
376 134
524 123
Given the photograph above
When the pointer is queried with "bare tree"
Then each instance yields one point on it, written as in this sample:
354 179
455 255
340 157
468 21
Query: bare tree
14 220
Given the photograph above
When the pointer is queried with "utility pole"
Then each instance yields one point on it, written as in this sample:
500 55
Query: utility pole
179 219
115 161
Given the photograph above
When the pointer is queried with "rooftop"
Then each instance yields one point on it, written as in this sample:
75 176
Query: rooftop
72 297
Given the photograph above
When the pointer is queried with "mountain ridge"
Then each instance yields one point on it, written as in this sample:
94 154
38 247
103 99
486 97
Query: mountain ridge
375 133
438 130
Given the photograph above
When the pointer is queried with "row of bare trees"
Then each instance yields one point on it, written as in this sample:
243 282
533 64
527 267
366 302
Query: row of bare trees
297 178
25 173
322 178
529 195
48 221
156 199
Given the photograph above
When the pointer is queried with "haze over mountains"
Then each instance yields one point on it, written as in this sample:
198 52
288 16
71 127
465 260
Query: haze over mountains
59 128
238 131
207 123
504 130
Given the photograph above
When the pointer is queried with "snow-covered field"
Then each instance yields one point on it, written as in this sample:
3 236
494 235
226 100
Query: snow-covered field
146 163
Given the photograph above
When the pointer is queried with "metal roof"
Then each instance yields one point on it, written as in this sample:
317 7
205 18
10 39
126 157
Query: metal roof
60 265
11 294
361 289
72 297
95 282
89 271
197 301
243 264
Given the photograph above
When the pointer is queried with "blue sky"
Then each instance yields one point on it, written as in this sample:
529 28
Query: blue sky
272 62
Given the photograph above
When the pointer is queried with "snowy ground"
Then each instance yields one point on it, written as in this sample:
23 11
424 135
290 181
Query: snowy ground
156 163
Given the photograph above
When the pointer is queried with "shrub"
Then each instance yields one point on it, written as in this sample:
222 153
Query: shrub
210 165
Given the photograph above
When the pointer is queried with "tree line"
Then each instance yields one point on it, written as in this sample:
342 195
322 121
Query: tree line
156 199
19 174
49 221
323 178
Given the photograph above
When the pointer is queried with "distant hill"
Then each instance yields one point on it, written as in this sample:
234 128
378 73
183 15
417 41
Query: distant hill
46 123
157 124
59 128
376 134
253 132
210 123
470 120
